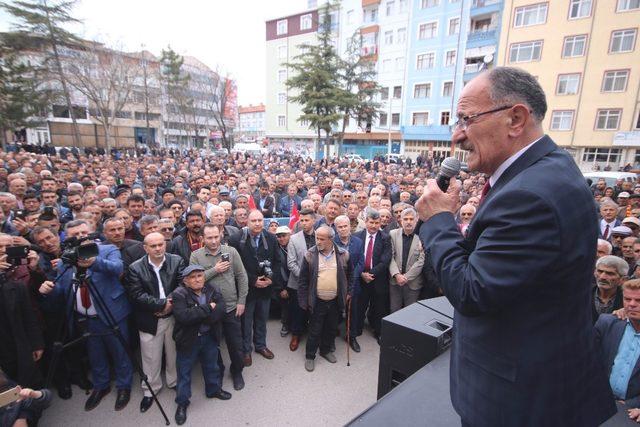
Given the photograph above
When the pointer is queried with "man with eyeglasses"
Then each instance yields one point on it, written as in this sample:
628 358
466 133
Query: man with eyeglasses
532 241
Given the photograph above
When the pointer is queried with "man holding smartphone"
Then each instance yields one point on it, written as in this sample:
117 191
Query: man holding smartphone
225 272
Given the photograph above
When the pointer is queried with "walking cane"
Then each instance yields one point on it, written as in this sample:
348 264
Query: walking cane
348 330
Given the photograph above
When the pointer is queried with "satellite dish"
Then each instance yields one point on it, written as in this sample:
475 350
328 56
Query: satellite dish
487 59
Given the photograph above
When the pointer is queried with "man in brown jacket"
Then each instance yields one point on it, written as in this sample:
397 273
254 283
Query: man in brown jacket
324 289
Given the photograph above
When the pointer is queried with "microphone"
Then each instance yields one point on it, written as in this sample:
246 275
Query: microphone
449 168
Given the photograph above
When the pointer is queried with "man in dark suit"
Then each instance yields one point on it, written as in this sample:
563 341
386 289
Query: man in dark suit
523 351
374 279
265 202
618 340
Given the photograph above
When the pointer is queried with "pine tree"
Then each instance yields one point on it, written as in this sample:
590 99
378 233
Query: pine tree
316 81
22 98
45 20
176 82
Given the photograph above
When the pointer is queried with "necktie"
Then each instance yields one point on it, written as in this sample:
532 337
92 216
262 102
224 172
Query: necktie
85 298
257 241
369 255
606 232
485 190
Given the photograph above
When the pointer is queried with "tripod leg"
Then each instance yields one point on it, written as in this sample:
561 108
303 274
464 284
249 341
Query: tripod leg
115 328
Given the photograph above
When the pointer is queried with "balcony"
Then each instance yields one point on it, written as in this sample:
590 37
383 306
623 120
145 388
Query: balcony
366 3
481 7
482 35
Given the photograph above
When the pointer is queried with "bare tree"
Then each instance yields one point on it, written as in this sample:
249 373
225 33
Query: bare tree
218 97
106 77
148 90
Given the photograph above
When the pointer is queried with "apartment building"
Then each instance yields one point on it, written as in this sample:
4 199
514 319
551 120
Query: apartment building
586 57
251 123
284 36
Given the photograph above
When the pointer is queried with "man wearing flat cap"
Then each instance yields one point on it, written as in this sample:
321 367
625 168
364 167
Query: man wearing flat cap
198 310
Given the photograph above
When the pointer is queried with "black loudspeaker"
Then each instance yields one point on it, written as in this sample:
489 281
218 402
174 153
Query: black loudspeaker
411 338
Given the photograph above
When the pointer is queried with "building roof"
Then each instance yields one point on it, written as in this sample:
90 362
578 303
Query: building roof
260 108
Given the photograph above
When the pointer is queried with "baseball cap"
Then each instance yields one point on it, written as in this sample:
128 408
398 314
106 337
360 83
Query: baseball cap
623 195
190 269
631 220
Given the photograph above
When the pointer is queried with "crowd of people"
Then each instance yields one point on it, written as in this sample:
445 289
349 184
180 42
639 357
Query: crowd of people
197 250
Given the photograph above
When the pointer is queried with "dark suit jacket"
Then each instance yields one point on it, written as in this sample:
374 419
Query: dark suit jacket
144 291
609 331
269 206
189 315
524 349
381 260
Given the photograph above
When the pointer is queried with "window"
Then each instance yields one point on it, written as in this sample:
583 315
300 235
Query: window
525 52
562 120
608 119
282 121
390 5
420 119
304 123
402 6
429 3
281 27
383 119
601 155
425 61
574 46
626 5
350 16
615 81
447 89
388 37
422 90
622 41
63 112
395 119
450 58
579 9
445 118
371 15
397 92
400 64
282 76
638 122
568 84
305 22
402 35
428 30
386 65
454 26
282 98
384 93
282 52
534 14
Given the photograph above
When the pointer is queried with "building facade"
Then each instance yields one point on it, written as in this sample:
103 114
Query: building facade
586 57
251 121
284 36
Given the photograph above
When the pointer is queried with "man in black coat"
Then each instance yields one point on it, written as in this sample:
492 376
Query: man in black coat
198 310
149 281
374 279
190 240
255 246
130 250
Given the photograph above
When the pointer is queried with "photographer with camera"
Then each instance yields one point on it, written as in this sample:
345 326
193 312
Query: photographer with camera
102 270
225 272
258 250
21 337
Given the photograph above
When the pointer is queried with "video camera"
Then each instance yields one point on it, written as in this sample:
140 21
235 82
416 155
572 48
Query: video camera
264 269
73 249
16 254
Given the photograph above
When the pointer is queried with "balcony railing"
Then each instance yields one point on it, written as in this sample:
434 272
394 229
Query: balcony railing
479 35
483 3
472 68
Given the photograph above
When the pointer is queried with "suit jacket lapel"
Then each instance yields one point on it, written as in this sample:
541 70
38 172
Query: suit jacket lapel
616 337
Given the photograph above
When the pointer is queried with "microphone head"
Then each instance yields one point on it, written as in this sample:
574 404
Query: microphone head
450 167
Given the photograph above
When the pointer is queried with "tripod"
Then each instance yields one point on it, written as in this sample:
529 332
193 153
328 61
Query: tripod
78 280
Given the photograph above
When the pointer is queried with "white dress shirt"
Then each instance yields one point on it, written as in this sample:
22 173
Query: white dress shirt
91 311
603 226
505 165
156 269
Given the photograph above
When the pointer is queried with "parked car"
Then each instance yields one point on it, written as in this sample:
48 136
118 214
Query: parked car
354 158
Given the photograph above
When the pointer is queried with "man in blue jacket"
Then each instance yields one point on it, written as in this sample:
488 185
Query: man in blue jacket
102 276
523 351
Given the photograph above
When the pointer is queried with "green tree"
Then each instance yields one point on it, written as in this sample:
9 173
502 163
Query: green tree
22 98
176 81
358 98
45 20
315 79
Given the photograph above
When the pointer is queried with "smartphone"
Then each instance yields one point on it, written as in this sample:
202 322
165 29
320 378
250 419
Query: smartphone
224 257
9 396
20 214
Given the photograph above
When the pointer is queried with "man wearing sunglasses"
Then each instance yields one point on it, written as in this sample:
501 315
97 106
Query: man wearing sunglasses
520 280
